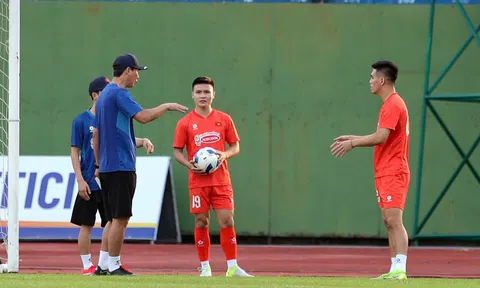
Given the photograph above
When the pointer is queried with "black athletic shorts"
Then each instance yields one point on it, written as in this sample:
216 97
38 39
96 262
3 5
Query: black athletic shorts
118 189
84 212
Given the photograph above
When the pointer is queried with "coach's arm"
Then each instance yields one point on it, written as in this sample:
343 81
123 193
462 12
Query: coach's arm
146 143
139 142
95 146
96 151
376 138
148 115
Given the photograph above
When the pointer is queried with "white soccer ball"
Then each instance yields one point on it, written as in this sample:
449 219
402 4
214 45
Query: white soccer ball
206 159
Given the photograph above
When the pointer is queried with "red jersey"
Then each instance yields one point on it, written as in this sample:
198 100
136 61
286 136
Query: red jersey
391 157
195 132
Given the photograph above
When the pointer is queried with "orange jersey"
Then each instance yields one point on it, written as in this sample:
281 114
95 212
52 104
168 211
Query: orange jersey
391 157
195 132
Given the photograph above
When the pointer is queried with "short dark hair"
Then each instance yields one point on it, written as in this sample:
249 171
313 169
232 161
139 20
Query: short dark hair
387 68
203 80
118 72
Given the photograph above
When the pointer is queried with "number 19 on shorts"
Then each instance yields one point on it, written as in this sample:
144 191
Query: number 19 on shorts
196 201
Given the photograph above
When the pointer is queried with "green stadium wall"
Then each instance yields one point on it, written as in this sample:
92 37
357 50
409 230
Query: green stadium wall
293 77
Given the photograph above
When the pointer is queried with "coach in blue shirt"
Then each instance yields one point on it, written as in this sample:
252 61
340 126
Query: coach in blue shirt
116 149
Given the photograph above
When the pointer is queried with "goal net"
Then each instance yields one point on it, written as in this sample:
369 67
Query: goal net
9 134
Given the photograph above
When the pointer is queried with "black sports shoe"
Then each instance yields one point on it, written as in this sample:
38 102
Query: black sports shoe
100 271
121 271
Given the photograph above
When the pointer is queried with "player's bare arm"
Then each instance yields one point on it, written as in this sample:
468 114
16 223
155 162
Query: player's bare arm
83 189
182 159
232 151
148 115
96 150
145 143
346 137
340 147
376 138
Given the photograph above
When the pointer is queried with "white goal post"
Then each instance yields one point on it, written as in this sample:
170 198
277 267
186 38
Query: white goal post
11 99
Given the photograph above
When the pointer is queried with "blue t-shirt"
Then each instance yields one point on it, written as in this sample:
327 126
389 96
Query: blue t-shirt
114 112
82 135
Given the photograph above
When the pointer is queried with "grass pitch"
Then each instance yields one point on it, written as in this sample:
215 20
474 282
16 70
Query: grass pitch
177 281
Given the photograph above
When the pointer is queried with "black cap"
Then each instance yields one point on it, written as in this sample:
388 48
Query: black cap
127 60
98 84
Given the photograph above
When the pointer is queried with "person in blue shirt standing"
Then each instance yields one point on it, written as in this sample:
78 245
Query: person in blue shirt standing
115 150
89 198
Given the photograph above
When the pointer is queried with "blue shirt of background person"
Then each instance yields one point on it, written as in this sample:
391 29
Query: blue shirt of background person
81 139
115 111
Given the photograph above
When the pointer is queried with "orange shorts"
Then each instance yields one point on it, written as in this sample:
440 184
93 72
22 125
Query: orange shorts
216 197
392 190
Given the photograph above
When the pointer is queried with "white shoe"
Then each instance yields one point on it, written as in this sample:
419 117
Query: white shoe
205 272
236 271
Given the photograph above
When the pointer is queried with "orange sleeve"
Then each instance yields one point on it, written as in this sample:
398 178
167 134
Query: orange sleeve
389 116
231 133
180 137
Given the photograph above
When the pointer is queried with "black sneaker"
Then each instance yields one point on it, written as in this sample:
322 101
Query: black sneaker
100 271
121 271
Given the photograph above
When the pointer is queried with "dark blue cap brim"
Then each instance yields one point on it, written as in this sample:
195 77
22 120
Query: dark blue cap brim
140 67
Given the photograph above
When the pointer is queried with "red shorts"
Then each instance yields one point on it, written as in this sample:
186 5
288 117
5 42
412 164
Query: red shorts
216 197
392 190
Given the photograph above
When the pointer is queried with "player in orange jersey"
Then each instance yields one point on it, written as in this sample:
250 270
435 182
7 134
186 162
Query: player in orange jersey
391 168
202 127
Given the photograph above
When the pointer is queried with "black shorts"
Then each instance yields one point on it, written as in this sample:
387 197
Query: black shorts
85 212
118 189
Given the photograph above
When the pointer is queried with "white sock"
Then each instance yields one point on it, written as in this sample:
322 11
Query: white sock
205 264
231 263
401 262
103 260
113 263
87 261
394 262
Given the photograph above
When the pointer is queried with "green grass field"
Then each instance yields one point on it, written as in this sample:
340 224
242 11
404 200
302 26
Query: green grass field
176 281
